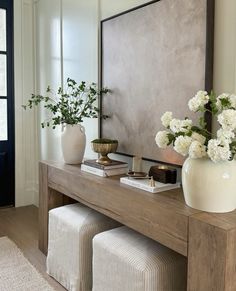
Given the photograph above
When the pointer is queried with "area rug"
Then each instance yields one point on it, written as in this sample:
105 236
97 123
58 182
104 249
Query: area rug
16 272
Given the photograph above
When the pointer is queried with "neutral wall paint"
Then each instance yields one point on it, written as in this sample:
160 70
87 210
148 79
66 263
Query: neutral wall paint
66 45
80 51
224 49
48 69
111 7
225 46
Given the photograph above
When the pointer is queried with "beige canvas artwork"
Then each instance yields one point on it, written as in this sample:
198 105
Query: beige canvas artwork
153 60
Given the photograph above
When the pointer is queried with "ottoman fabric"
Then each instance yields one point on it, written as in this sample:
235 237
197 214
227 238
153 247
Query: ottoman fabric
71 230
124 260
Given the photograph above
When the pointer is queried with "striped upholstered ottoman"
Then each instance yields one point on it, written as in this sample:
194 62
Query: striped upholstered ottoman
124 260
71 230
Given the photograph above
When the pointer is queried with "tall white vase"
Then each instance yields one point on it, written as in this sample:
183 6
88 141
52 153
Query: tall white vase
73 141
209 186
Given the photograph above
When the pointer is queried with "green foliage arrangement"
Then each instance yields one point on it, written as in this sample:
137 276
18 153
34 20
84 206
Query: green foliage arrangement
69 106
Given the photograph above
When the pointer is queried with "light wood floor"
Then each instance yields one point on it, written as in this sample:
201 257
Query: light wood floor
21 226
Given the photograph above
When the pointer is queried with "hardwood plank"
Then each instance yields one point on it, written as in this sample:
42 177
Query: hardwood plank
162 217
21 226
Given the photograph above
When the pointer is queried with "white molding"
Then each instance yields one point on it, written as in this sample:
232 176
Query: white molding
25 141
27 2
61 45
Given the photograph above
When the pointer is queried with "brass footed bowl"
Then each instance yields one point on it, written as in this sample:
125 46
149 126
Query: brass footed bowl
104 149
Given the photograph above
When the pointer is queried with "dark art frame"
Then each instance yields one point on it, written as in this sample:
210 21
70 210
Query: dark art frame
209 49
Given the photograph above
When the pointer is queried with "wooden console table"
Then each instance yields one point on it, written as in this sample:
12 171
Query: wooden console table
207 240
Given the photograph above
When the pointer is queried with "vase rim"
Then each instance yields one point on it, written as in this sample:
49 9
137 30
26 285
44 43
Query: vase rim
208 159
68 124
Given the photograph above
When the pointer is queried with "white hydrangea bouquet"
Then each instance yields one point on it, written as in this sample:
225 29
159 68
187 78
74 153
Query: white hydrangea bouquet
195 140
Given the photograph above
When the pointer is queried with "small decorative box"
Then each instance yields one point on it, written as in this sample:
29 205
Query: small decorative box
163 174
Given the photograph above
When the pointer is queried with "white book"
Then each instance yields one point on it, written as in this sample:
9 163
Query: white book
112 165
144 184
104 173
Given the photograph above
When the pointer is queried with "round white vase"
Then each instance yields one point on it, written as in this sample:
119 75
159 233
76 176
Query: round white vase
209 186
73 141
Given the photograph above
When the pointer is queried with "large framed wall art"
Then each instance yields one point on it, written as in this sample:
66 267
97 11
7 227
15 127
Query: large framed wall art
154 58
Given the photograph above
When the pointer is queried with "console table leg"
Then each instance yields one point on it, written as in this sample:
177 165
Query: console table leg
43 207
211 257
48 199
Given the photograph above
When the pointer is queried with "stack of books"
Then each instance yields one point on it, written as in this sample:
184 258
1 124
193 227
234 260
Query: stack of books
113 169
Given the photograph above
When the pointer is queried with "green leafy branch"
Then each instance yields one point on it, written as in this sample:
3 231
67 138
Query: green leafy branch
69 106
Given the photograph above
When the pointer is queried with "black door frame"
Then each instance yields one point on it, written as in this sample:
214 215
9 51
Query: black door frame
10 144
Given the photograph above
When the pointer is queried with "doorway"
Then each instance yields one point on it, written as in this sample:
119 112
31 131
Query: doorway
7 161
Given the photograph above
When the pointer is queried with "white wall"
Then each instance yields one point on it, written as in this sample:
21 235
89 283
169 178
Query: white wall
225 46
25 122
80 50
48 64
66 45
109 8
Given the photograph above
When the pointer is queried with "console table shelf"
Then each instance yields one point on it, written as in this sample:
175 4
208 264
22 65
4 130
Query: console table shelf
208 240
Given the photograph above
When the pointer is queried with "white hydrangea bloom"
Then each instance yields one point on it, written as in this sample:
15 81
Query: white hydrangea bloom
217 151
166 118
218 100
197 150
227 119
194 104
198 101
225 136
162 139
198 137
186 125
177 125
202 95
182 144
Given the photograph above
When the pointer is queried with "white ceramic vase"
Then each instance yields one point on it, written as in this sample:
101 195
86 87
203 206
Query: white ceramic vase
73 141
209 186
